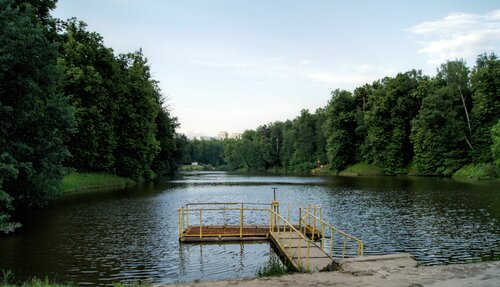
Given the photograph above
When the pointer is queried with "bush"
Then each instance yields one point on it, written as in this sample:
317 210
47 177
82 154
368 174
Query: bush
274 268
479 171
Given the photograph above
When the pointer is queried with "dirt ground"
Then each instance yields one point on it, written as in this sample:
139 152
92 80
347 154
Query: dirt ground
387 270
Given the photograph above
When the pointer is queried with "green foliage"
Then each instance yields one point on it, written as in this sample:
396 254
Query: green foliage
62 93
209 152
362 168
485 112
495 147
439 132
137 145
7 280
339 129
169 156
89 69
409 124
84 180
274 268
297 145
388 122
36 117
188 167
480 171
123 125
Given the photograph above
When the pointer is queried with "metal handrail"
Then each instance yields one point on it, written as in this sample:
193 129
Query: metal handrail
333 230
275 220
184 214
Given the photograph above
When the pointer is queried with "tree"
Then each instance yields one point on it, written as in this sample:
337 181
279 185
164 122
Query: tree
388 122
302 157
438 132
167 159
137 145
90 71
36 118
495 147
339 127
456 76
485 112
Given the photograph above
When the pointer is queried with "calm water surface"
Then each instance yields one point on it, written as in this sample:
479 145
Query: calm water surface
95 238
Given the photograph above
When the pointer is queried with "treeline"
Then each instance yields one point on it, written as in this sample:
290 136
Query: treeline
67 102
410 123
209 152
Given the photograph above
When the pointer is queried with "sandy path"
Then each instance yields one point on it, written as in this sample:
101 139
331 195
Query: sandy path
389 270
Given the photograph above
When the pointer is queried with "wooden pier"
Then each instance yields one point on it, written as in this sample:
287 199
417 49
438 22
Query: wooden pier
303 245
206 233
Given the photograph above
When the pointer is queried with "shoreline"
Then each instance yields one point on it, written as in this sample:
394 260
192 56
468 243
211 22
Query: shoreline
385 270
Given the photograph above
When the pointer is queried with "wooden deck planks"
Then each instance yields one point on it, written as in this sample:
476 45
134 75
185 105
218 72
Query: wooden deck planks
294 248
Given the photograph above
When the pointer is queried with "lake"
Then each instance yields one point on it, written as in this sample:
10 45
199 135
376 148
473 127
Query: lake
100 237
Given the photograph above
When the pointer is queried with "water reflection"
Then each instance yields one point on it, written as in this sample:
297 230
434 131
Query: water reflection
95 238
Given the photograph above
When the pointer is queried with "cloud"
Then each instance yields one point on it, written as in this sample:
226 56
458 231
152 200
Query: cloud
459 35
305 62
350 77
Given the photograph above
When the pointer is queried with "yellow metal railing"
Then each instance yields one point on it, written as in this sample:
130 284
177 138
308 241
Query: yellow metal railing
311 222
197 213
281 228
311 230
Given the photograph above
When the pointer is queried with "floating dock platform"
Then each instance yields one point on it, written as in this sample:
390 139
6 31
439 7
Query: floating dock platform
310 245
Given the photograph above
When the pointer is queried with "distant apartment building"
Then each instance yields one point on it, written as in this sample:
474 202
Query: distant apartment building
222 135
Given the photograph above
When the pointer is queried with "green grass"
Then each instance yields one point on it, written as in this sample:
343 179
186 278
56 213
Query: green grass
274 268
85 180
189 167
324 171
7 280
362 168
412 169
480 171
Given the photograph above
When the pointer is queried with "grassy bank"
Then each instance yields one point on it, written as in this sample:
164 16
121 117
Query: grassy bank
7 280
189 167
362 168
86 180
481 171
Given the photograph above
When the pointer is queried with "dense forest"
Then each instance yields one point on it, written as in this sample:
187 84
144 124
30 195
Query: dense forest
68 102
407 124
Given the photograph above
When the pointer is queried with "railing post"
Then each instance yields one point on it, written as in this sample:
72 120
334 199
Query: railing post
288 215
179 221
300 248
201 232
331 242
345 246
307 256
278 225
322 235
270 221
314 226
241 221
300 218
275 205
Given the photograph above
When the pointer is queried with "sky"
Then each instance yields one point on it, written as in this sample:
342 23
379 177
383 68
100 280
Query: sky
235 65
